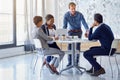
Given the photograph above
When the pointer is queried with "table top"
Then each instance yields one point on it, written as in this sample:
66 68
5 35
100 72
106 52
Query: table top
75 40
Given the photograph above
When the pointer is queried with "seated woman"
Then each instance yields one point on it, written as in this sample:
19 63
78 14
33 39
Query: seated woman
39 34
49 29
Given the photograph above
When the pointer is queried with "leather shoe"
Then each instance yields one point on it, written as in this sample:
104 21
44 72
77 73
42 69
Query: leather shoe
54 69
98 72
90 71
44 63
50 68
69 64
56 72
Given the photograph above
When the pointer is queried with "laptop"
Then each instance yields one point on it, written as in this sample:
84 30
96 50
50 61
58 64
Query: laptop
61 32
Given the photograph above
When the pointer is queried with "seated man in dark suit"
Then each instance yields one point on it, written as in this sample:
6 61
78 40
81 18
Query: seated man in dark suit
104 34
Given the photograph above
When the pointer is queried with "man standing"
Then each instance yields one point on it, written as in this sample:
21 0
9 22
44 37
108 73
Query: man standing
105 36
72 21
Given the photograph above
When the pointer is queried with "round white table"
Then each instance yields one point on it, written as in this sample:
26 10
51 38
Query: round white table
73 42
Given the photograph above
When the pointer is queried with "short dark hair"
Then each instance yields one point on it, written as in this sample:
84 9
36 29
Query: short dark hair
48 17
98 17
37 19
71 4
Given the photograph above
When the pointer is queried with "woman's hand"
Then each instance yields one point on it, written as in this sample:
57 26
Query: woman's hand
56 38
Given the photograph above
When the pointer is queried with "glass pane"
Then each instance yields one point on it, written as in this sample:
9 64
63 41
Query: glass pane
20 6
20 29
6 30
39 7
6 6
20 21
6 22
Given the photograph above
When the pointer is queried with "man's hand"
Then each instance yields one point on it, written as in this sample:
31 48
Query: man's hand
87 33
93 25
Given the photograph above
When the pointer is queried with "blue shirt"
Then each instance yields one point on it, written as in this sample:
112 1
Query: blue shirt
104 34
74 22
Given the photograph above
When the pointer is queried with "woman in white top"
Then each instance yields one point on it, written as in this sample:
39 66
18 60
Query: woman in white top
49 28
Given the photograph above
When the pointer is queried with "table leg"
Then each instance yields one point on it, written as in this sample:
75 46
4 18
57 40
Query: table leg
73 62
73 54
73 59
69 67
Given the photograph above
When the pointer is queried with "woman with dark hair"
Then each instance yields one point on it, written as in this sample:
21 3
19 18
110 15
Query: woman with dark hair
49 29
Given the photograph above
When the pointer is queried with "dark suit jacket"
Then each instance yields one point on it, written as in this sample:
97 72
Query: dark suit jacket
104 34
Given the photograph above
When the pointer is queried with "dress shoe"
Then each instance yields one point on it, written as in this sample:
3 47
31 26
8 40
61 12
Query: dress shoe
69 64
44 63
90 71
50 68
98 72
54 69
56 72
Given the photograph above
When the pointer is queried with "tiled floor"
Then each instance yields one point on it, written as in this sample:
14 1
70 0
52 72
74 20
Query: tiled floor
21 68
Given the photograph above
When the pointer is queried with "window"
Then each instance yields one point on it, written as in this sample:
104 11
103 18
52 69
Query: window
6 22
16 21
24 14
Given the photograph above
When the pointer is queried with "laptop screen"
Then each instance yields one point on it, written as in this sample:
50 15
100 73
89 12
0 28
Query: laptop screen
61 32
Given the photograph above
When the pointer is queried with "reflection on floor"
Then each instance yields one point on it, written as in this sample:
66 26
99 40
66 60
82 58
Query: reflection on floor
21 68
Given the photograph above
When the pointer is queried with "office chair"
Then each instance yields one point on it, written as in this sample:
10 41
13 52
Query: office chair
39 50
113 46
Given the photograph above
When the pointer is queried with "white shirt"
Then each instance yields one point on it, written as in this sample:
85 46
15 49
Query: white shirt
52 32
